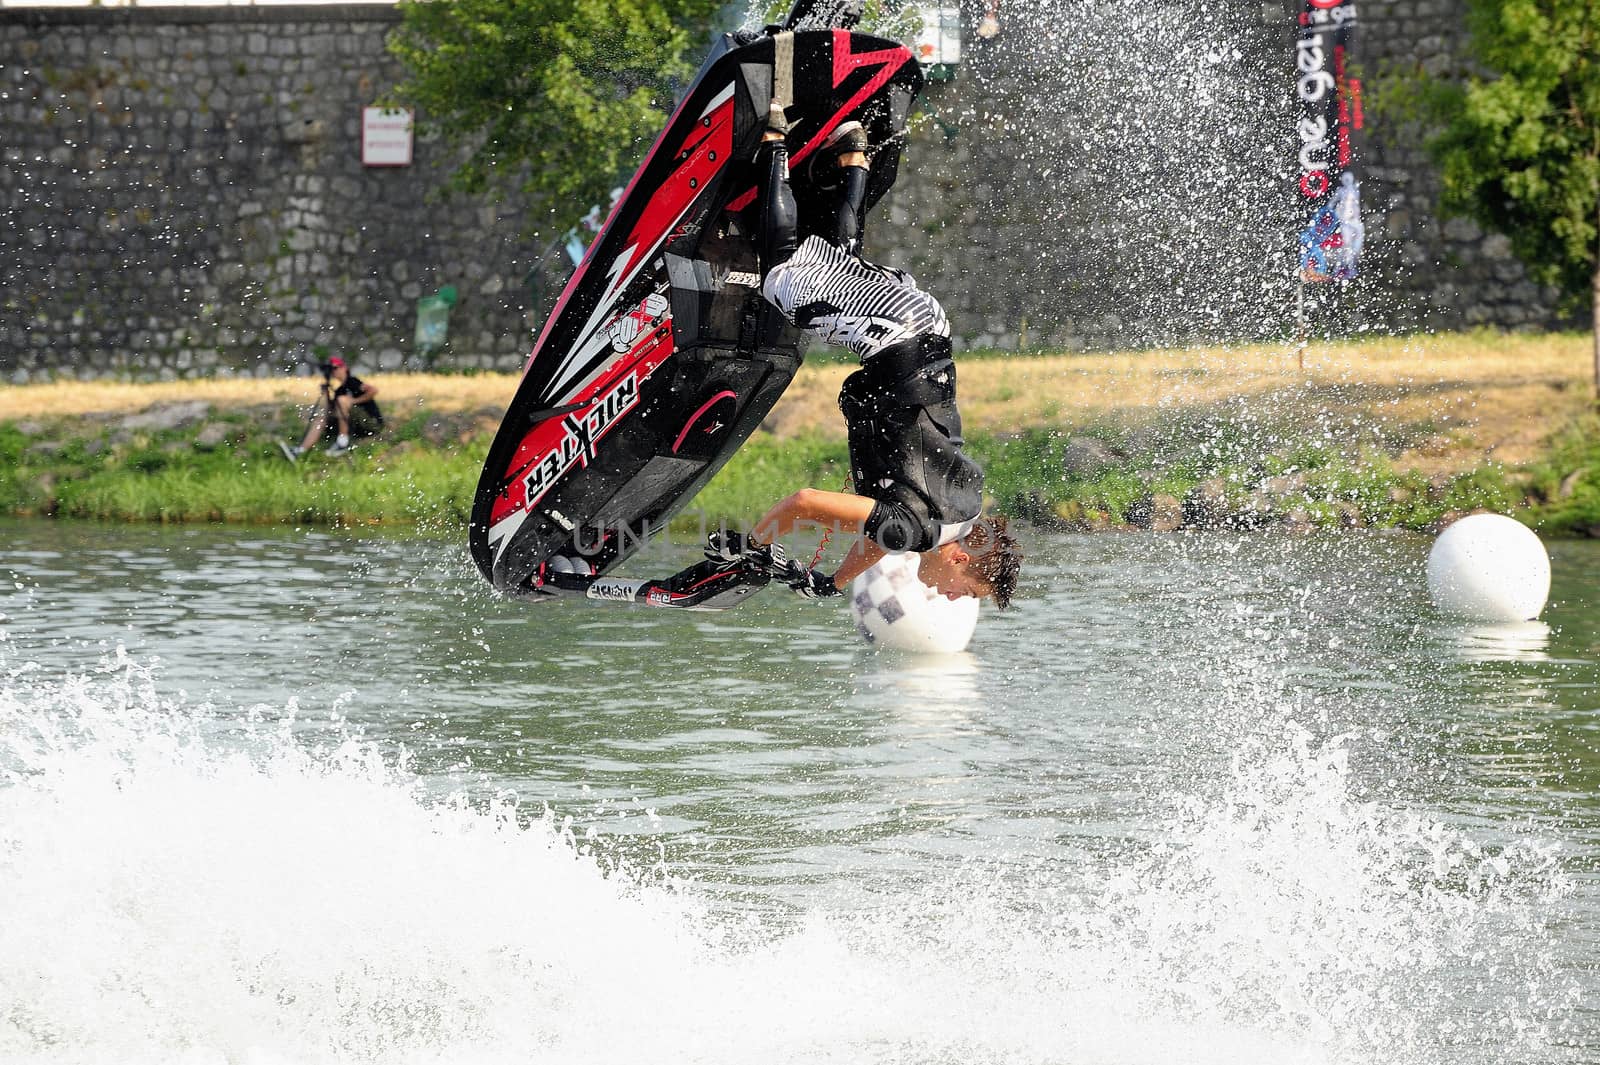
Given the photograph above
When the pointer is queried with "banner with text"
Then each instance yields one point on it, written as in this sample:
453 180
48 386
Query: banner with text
1328 103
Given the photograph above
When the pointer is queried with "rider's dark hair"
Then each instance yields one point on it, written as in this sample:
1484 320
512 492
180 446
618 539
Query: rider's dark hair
1000 562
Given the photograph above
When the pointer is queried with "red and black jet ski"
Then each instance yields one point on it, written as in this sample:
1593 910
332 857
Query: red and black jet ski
661 357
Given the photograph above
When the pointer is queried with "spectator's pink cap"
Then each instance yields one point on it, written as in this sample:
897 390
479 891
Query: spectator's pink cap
335 361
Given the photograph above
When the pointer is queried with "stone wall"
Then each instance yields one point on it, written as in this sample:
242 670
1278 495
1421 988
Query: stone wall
1120 175
1439 272
184 194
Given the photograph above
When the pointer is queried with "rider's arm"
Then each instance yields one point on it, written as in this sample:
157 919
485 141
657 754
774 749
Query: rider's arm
834 511
863 555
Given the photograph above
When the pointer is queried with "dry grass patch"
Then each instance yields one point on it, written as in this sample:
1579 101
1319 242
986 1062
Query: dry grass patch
1477 395
1485 395
445 393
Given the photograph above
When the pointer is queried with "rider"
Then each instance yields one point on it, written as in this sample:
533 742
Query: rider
914 488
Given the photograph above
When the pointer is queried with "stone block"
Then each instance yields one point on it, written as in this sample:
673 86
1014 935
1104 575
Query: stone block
1086 457
1462 229
1496 246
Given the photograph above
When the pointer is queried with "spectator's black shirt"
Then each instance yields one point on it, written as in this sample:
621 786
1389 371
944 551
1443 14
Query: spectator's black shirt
353 386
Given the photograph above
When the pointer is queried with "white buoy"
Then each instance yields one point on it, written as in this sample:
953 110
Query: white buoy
894 609
1491 568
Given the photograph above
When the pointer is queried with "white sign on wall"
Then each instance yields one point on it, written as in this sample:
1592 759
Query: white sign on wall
385 137
939 42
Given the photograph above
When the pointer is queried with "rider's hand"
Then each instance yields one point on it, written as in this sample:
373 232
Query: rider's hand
726 545
813 584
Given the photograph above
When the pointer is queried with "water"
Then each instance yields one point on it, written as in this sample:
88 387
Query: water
307 797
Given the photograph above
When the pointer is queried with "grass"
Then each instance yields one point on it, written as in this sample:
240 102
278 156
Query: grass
1505 391
163 477
1387 431
1303 481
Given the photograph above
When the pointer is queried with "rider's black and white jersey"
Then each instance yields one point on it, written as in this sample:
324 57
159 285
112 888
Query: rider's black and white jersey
850 302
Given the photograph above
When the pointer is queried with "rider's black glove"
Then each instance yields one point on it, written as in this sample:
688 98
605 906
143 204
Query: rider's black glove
810 583
727 546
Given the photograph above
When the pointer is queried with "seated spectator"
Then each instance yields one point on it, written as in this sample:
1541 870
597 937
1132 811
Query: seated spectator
347 406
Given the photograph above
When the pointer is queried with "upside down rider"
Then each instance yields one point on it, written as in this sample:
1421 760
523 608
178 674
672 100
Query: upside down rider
914 488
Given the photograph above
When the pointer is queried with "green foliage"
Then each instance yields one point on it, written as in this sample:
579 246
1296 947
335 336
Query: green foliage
421 473
764 471
566 94
1520 151
1566 481
1024 475
12 493
258 487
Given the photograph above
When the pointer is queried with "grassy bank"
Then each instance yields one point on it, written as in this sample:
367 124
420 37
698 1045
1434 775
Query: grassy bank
1390 432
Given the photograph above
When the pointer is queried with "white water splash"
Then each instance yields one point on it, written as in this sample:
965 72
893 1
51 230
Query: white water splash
182 885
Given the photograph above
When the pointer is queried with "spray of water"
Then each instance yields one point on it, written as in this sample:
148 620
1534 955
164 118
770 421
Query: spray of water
1147 138
1104 174
183 884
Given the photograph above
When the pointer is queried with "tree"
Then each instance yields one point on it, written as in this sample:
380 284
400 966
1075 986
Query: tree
555 98
1520 150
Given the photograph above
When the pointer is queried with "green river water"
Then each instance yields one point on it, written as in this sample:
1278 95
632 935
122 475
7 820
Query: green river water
274 796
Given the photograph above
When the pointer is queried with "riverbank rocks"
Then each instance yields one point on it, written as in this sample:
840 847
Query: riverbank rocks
1069 515
1569 483
1156 512
211 436
170 416
1348 515
1277 491
1207 506
1087 457
1298 521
